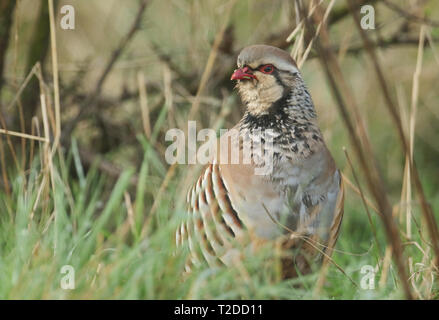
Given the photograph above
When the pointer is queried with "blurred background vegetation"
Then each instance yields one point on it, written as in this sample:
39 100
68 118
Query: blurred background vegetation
105 201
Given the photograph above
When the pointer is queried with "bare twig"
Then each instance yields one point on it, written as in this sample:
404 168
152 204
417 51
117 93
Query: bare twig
23 135
359 140
395 40
55 77
210 60
410 16
337 15
6 14
158 198
144 104
363 198
357 191
3 168
104 165
413 114
37 53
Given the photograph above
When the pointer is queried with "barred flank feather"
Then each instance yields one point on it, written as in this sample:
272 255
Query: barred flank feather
212 221
232 207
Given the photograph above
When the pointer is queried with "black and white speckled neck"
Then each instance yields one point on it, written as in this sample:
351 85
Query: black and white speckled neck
292 119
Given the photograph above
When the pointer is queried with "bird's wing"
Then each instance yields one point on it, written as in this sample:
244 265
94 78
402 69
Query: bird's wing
317 236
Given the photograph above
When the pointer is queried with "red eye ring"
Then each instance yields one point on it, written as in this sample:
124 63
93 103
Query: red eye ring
267 68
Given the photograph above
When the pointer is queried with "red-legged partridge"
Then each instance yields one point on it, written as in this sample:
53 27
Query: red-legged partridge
297 187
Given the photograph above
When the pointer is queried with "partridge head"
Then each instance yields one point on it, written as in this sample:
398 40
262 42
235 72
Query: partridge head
300 194
264 75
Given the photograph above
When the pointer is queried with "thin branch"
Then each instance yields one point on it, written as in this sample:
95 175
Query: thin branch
89 102
23 135
363 199
211 60
425 206
395 40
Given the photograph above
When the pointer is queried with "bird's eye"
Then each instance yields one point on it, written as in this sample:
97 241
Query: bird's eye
268 68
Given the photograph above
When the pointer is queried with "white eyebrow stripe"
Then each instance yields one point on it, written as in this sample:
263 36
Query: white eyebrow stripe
280 64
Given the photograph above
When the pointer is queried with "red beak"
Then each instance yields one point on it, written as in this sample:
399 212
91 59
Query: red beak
243 73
